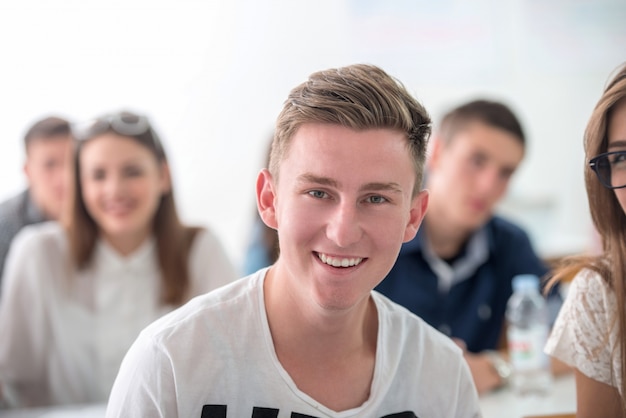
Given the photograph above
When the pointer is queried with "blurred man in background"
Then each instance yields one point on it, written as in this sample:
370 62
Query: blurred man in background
456 273
48 146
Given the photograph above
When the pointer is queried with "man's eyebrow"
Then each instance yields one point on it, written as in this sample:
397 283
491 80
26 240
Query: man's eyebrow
377 187
369 187
312 178
617 144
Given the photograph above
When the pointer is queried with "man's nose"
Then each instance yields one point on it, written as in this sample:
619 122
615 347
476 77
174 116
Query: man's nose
344 226
490 182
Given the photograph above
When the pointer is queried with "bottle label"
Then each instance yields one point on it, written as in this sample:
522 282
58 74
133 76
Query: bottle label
526 348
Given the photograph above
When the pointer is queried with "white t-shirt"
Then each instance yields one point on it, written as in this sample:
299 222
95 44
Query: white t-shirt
214 357
63 332
585 332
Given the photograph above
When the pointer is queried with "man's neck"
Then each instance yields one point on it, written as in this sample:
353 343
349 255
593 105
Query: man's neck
331 357
292 322
445 239
36 211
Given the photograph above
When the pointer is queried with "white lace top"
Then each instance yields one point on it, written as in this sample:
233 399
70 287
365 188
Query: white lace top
584 334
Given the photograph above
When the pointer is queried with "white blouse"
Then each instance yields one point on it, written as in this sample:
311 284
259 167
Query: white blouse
585 332
63 332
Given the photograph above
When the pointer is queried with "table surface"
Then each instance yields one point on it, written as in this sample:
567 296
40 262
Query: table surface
79 411
560 400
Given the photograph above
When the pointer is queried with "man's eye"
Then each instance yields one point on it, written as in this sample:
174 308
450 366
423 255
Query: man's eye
51 164
318 194
478 160
376 199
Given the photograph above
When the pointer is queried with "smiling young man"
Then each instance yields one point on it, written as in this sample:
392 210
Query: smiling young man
308 337
456 274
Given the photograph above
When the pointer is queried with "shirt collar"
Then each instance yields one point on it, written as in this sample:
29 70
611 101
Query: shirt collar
477 251
106 254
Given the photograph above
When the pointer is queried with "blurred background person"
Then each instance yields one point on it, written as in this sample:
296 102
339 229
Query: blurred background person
48 146
456 273
590 331
77 294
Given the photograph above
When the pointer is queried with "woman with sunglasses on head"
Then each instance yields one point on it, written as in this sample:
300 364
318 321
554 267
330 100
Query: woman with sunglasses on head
590 332
76 295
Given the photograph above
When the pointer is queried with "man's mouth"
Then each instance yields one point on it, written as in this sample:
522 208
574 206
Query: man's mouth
339 261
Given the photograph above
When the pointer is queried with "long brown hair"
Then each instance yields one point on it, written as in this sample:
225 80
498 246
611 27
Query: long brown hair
608 217
173 239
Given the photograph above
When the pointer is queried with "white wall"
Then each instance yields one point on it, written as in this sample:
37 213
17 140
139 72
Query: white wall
213 76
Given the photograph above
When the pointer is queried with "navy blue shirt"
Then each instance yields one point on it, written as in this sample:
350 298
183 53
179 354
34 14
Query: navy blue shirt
472 308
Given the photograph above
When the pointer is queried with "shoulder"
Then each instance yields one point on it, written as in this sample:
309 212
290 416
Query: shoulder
206 245
12 212
47 239
589 286
37 257
46 234
412 329
203 238
13 203
210 265
503 228
584 335
216 308
590 303
511 243
163 361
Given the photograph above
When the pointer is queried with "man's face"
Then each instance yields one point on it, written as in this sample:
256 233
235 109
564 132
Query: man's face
470 173
343 206
47 169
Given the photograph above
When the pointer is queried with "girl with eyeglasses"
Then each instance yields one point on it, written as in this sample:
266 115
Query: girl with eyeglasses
590 332
77 294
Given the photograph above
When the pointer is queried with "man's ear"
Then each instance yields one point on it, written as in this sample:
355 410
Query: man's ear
26 169
419 205
266 198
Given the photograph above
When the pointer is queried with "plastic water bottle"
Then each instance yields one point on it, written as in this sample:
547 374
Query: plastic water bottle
527 330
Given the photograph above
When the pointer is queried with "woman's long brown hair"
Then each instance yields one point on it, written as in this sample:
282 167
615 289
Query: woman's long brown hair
608 217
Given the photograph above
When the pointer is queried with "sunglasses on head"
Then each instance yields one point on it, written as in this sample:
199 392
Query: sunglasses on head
123 123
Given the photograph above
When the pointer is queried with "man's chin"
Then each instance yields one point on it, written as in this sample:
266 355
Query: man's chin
476 222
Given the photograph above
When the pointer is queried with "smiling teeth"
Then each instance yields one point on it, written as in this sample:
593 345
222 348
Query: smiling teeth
339 262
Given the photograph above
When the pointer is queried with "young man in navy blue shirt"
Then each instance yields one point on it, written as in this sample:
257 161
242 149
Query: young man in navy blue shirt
456 273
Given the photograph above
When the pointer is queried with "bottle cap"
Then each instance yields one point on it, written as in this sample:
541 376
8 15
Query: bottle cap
523 282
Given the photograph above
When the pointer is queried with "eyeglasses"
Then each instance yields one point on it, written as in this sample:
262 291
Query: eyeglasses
610 168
